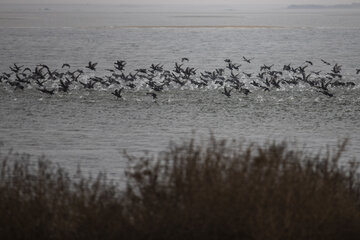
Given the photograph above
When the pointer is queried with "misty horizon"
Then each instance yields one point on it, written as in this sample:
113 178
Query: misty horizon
177 2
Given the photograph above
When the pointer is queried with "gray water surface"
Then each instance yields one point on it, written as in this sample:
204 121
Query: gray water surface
92 128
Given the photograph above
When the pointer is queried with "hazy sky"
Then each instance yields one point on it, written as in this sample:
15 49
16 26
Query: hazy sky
183 1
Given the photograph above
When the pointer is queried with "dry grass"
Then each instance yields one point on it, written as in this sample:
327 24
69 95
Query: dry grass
191 192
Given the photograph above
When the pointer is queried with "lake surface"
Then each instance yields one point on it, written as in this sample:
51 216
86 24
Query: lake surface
93 128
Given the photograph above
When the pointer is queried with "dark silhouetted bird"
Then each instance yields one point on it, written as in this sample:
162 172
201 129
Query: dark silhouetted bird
326 93
316 73
47 91
15 68
247 74
153 95
64 85
120 65
90 84
91 66
227 92
245 91
265 67
117 93
327 63
66 65
336 68
287 67
17 85
248 60
156 68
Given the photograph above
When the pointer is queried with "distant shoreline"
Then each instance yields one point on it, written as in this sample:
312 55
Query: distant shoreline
316 6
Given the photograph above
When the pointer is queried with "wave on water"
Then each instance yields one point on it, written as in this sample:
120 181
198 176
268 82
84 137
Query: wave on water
200 26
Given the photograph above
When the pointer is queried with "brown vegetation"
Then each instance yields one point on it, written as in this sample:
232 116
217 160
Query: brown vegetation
191 192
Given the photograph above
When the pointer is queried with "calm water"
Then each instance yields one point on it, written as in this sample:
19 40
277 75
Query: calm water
92 128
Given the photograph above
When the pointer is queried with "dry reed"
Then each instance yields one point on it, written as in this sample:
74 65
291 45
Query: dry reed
193 191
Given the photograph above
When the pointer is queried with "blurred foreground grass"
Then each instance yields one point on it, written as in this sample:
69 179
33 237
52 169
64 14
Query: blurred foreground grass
193 191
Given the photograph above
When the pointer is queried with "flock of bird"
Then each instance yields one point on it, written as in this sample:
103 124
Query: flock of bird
155 79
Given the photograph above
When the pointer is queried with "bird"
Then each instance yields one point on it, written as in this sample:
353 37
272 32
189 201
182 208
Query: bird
64 85
117 92
184 59
324 85
275 73
21 80
90 84
316 73
120 65
305 77
334 75
350 84
141 70
245 91
153 95
227 92
302 69
178 68
233 76
265 67
357 71
91 66
66 65
255 84
17 85
6 75
261 75
248 60
47 91
42 66
15 68
287 67
27 69
265 88
336 68
233 66
247 74
131 85
325 62
326 93
156 68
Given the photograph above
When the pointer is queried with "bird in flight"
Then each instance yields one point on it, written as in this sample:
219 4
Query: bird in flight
91 66
65 65
309 62
117 92
248 60
227 92
327 63
153 95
